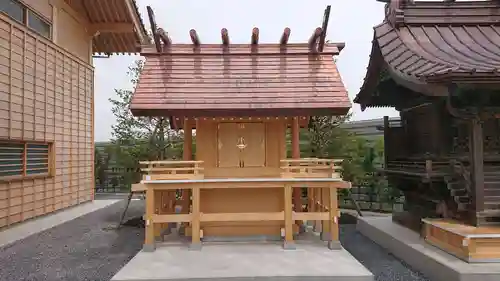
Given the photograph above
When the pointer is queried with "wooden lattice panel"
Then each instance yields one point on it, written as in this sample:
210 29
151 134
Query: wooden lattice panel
46 96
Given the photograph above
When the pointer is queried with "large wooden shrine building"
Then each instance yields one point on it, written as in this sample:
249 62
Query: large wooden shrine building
240 99
47 98
438 64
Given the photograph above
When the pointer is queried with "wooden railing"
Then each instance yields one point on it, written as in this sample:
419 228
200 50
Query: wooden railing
172 170
316 174
425 167
310 168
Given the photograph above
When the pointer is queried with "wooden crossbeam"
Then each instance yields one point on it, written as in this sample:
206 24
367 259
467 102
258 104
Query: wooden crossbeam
163 35
152 22
285 36
225 36
194 37
313 40
315 43
324 27
255 36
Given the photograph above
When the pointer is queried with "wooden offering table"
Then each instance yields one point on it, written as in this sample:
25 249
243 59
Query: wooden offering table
315 174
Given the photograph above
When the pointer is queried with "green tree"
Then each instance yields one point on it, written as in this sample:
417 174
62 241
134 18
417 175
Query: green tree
361 156
326 138
101 164
140 138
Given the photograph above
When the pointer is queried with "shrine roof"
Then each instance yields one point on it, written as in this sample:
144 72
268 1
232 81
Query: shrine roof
256 79
422 45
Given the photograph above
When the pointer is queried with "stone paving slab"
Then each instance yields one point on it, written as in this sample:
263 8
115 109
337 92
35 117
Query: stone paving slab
431 261
244 261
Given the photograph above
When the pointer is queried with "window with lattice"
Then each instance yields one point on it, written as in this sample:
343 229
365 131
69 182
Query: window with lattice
25 159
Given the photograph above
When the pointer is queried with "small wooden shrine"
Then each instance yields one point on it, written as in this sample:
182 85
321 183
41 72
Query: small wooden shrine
240 99
438 64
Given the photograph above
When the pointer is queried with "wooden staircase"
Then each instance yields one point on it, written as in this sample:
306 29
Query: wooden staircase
491 213
459 185
460 189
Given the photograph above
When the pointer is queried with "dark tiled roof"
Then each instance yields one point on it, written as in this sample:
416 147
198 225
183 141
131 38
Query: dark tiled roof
436 42
433 52
242 80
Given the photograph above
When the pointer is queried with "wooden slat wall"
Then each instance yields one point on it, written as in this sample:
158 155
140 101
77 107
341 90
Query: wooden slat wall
45 95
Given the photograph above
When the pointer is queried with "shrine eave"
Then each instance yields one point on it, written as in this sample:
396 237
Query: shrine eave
278 110
222 80
425 52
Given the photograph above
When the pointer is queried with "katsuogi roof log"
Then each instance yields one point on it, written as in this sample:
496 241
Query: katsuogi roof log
254 79
422 45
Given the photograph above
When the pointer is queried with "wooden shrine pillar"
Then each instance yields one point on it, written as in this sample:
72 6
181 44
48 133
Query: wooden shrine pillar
187 153
195 220
477 164
386 140
297 200
288 244
149 238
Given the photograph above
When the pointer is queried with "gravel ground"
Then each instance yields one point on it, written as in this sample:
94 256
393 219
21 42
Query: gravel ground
383 265
78 250
86 249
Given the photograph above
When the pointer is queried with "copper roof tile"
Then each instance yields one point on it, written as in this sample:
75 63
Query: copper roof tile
266 79
437 42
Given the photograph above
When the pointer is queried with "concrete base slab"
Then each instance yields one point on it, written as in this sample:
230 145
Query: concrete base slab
289 246
334 245
39 224
431 261
148 248
195 246
244 261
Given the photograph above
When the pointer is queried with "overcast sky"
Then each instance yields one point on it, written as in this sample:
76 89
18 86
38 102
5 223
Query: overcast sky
351 21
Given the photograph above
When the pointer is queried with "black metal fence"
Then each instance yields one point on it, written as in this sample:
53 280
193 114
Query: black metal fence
114 180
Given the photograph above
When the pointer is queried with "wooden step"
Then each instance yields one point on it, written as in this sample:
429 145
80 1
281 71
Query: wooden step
459 192
492 199
491 191
489 213
488 218
455 184
491 186
491 205
488 221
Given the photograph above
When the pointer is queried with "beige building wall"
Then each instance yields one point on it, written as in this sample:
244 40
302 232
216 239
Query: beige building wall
46 97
